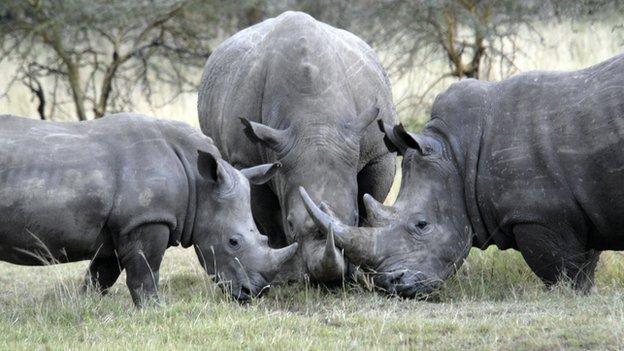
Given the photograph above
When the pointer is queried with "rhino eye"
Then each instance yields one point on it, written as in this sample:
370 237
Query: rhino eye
419 227
234 242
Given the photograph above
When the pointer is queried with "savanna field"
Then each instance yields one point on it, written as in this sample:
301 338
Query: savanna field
494 301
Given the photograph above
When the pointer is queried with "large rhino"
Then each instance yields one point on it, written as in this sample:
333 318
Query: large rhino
533 163
307 94
119 191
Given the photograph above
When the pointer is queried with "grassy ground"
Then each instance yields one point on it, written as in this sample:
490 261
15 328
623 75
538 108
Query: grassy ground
494 303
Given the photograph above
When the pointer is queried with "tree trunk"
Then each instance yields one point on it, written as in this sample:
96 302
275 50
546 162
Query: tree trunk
107 86
53 38
73 76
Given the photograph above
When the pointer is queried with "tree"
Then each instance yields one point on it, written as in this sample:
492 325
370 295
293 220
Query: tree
101 53
464 33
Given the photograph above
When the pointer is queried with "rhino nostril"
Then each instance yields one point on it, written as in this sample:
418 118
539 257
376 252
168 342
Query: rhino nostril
245 290
397 278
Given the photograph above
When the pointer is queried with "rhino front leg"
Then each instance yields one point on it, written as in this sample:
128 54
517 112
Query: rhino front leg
267 214
140 253
557 256
268 217
103 273
375 179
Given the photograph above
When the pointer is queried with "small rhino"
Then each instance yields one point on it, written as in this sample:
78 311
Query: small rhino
122 189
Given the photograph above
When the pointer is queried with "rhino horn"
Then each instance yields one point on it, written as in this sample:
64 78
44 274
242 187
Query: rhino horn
279 256
376 212
332 257
358 243
323 259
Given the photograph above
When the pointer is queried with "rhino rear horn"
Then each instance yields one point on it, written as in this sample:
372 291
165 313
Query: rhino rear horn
376 212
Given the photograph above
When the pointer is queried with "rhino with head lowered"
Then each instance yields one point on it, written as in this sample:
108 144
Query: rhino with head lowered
533 163
298 91
122 189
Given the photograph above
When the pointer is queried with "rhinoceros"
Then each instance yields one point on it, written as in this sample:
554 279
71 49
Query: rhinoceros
533 163
122 189
298 91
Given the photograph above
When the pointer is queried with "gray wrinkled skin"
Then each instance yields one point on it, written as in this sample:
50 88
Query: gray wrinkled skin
120 190
533 163
308 95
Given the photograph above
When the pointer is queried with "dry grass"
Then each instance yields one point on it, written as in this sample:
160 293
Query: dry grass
494 302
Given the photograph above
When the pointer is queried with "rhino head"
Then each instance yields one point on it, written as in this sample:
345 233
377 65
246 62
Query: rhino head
416 244
226 239
323 157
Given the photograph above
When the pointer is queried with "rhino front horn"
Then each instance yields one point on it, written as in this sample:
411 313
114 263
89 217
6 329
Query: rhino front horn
358 243
280 256
325 262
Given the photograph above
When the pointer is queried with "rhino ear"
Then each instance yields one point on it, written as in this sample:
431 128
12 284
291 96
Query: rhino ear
392 141
261 174
365 118
210 168
274 139
207 165
397 139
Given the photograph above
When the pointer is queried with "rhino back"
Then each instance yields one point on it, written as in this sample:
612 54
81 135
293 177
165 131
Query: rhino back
291 69
65 185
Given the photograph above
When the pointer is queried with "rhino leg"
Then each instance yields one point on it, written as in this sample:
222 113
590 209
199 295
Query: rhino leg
267 215
554 256
375 179
102 274
140 253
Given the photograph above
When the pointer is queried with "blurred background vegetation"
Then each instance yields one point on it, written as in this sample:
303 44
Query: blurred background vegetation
81 59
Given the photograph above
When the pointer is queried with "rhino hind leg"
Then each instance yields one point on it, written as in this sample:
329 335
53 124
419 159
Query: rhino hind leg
376 180
556 257
140 253
102 274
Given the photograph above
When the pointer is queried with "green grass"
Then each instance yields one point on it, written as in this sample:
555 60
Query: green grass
494 302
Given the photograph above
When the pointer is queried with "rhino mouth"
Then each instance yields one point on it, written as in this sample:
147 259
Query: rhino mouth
253 285
246 294
407 284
